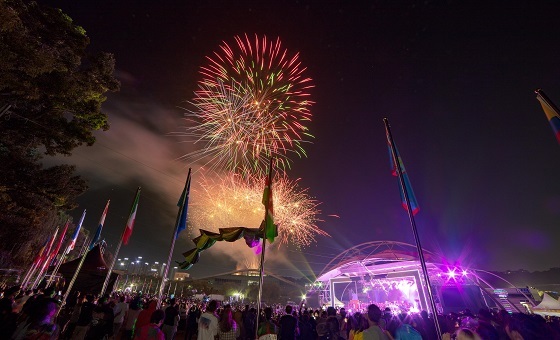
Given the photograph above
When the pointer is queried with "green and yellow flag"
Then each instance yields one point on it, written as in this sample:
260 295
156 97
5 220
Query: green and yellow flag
270 229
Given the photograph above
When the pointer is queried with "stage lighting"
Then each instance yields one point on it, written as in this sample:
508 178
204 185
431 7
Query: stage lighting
464 273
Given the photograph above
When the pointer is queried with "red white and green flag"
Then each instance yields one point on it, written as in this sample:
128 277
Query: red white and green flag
131 219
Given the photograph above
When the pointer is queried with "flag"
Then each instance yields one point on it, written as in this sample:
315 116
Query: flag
41 251
270 229
551 112
130 223
95 239
60 241
413 203
183 205
45 259
77 232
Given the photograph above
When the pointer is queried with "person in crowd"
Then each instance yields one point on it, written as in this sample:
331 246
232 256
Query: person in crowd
85 318
131 317
343 322
374 332
306 328
208 322
192 322
357 324
288 325
333 327
40 324
521 326
21 300
238 317
146 314
429 326
386 319
465 334
103 319
171 321
321 326
119 311
405 329
227 327
267 326
8 318
249 323
74 315
152 329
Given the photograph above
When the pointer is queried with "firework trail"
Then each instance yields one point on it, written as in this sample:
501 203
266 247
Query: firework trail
252 103
235 201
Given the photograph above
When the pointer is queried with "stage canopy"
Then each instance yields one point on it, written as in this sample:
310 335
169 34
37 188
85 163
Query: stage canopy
91 276
548 306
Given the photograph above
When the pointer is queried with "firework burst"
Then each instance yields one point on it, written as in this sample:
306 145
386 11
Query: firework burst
252 103
235 201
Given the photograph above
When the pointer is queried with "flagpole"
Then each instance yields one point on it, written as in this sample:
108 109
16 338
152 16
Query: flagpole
56 260
261 268
74 277
414 229
29 274
106 282
547 100
85 248
173 238
33 267
43 266
59 263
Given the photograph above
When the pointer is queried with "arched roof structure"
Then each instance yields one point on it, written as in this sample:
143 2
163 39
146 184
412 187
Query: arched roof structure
370 257
392 259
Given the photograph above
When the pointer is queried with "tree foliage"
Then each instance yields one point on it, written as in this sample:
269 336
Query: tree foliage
51 92
54 88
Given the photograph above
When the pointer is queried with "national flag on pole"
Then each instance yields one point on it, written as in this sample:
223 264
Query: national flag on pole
132 217
47 254
77 232
41 251
95 238
270 229
60 241
183 205
413 203
551 111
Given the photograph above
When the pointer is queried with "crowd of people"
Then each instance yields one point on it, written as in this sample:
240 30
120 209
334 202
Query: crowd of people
38 315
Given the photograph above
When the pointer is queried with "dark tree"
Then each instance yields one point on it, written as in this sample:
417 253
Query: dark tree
51 91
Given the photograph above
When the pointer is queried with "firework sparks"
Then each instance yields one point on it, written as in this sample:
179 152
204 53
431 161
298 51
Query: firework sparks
237 202
252 103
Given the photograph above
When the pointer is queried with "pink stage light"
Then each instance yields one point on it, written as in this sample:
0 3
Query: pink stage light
464 272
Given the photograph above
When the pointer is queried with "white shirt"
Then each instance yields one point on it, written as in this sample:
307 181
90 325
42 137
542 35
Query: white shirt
207 326
120 311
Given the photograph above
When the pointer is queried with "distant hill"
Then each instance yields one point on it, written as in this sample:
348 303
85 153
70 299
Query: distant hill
548 280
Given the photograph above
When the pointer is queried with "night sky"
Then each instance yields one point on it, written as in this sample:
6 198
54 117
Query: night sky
455 79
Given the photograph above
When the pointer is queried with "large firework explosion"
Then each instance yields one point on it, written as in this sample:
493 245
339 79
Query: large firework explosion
252 103
235 201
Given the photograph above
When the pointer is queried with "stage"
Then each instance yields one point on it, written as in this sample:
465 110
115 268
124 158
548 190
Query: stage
389 275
